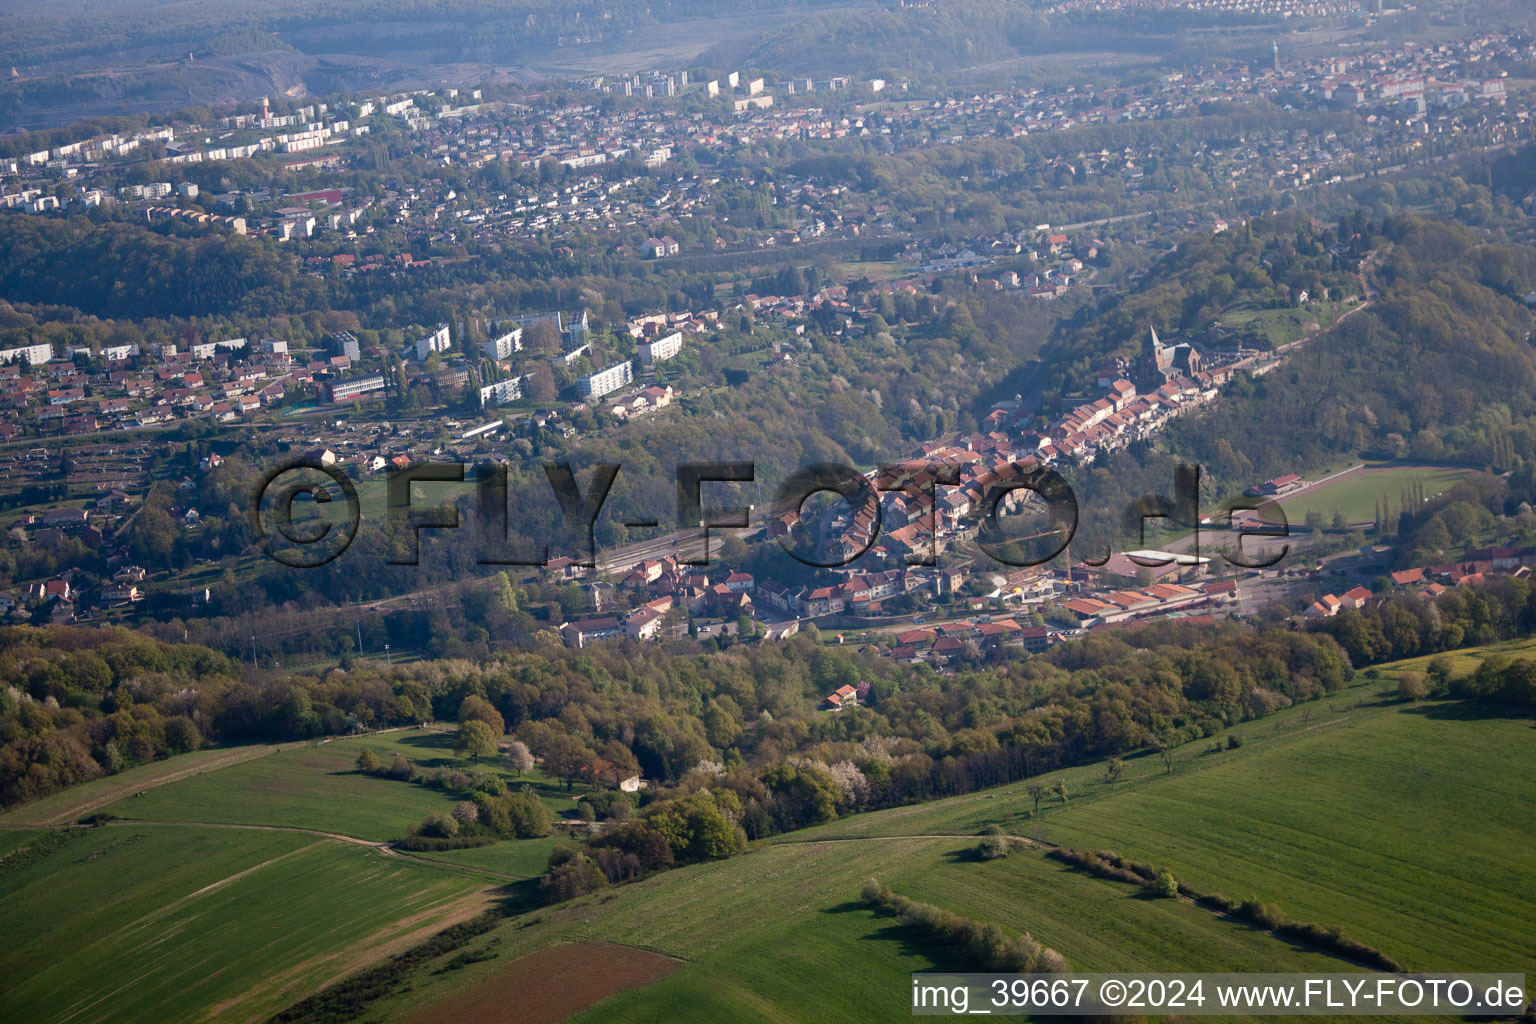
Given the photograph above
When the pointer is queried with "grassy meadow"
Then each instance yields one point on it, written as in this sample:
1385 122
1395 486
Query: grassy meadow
204 901
779 934
1407 824
169 923
318 787
70 805
313 787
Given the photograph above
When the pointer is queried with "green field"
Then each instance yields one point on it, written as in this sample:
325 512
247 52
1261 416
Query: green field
1408 826
65 807
523 858
1288 324
1355 497
318 787
778 934
1464 661
312 787
170 923
232 911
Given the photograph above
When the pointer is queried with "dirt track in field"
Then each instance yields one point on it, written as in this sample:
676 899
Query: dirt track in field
121 789
552 984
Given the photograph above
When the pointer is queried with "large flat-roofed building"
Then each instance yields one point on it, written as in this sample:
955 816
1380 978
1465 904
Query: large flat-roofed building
347 342
575 327
502 346
436 341
655 350
354 390
604 381
501 392
32 355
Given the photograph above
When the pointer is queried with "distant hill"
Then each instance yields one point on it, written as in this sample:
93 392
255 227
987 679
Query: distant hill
79 59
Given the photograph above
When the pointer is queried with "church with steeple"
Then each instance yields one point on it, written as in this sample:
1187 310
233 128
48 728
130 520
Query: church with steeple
1159 363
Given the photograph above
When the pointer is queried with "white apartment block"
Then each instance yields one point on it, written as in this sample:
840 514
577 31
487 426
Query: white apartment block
503 346
437 341
658 350
501 392
32 355
604 381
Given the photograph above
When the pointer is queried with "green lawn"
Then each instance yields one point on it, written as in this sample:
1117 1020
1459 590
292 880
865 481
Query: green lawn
1355 497
875 270
170 923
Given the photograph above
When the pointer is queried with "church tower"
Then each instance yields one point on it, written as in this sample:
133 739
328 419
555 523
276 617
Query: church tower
1152 351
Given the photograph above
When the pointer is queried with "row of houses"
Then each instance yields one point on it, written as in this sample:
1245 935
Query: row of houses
665 585
1433 580
860 594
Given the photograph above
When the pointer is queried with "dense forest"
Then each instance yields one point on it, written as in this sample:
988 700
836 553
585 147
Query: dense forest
83 702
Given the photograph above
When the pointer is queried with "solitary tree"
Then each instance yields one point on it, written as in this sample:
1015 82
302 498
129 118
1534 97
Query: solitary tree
1113 771
519 760
542 337
1036 793
1060 789
367 761
1411 686
475 738
539 384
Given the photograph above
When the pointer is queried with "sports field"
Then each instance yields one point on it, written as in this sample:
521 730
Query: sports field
1355 496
